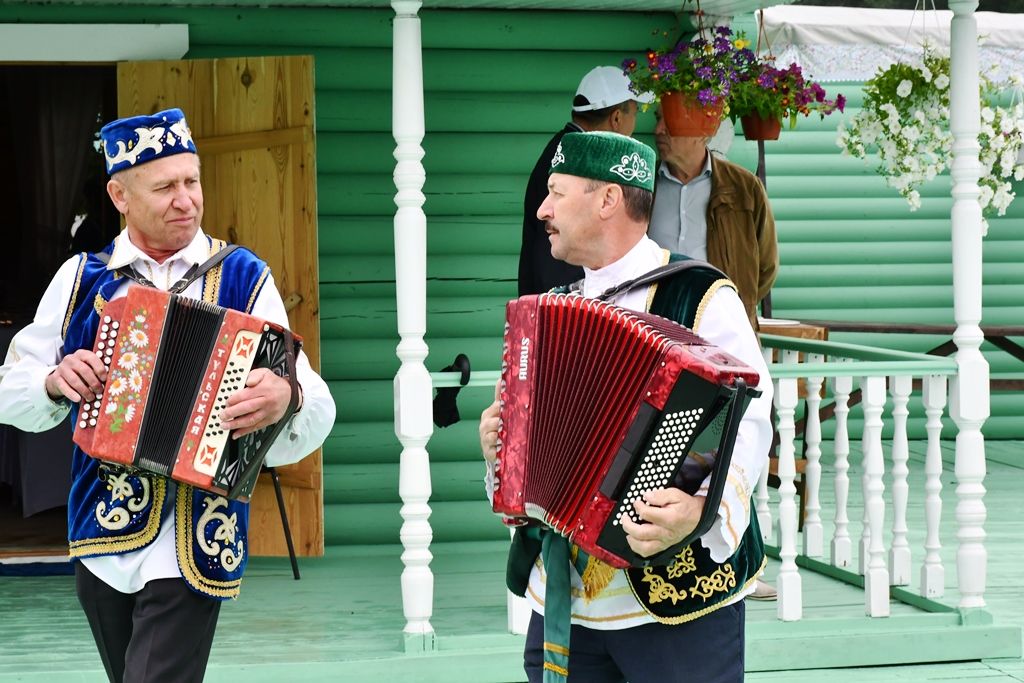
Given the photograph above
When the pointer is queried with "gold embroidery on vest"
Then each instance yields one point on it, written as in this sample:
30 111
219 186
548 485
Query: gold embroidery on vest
683 564
186 561
722 580
715 286
74 296
256 289
211 281
660 588
121 544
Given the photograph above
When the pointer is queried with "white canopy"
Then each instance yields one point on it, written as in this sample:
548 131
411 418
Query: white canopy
850 44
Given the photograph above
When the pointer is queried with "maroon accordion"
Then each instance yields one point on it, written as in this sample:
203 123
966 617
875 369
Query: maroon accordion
600 405
172 364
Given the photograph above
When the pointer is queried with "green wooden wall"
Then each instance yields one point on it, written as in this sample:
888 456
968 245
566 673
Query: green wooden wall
498 84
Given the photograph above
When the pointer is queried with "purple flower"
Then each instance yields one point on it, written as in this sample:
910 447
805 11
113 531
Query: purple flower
705 96
840 102
704 72
765 80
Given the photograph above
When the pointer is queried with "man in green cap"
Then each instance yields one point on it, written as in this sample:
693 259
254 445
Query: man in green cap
600 192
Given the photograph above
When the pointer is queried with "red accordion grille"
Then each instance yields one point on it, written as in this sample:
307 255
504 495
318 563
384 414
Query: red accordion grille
574 374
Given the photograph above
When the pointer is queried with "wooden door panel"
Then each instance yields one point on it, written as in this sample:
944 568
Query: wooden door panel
252 120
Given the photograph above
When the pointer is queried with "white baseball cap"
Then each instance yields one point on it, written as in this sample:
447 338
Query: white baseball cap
606 86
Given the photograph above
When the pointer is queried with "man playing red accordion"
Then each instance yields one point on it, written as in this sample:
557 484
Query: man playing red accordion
156 558
600 192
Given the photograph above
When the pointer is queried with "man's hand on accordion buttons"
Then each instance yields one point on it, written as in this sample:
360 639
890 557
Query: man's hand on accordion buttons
78 376
670 514
261 403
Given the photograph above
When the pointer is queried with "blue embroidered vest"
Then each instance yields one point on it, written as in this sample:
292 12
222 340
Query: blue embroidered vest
692 584
111 511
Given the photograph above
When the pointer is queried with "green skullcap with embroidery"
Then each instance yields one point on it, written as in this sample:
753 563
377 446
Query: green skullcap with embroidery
605 156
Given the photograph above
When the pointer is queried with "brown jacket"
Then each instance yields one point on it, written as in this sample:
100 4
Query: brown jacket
741 232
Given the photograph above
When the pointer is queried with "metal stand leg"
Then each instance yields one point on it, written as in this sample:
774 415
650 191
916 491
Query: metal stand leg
284 521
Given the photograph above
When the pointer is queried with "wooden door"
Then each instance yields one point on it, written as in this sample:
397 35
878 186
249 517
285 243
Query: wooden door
252 120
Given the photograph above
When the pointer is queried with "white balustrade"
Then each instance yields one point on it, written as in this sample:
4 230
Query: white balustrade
876 576
933 574
813 531
899 552
761 507
790 600
842 548
412 386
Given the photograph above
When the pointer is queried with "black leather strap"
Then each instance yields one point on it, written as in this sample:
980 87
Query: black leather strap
193 274
659 273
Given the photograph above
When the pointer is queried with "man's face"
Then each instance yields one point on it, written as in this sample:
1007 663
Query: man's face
162 202
570 217
626 123
676 150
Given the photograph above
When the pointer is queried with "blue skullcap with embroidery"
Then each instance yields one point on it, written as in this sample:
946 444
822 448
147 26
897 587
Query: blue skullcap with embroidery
602 155
137 139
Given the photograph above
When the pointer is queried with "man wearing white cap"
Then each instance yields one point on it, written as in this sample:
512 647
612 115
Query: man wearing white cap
603 101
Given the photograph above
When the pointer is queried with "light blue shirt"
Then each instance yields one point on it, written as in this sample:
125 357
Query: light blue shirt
679 219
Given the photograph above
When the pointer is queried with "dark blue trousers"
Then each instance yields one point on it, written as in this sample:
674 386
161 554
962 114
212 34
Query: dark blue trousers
705 650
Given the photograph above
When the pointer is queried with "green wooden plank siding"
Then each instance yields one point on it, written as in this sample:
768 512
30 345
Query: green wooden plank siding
498 84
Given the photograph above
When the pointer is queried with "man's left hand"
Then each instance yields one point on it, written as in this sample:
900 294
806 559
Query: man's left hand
262 402
671 515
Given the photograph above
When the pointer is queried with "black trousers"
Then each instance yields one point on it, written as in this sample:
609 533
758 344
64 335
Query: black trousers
705 650
162 634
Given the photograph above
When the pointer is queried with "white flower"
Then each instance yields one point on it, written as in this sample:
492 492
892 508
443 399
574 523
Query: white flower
128 360
129 412
135 380
942 81
111 407
904 88
911 133
117 386
926 74
914 199
140 318
986 196
987 115
138 338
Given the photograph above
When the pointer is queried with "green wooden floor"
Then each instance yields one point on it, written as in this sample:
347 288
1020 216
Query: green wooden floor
343 620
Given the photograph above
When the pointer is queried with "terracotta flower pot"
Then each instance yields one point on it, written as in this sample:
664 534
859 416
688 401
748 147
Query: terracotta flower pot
685 117
756 128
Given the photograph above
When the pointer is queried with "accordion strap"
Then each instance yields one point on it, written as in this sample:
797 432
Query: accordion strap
652 276
194 273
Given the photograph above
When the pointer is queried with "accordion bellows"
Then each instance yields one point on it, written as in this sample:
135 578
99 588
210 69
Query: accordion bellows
172 362
600 405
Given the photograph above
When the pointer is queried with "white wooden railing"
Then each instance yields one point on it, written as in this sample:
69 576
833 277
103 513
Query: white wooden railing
881 377
877 374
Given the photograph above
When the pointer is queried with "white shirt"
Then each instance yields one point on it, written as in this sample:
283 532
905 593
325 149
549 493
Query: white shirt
725 324
36 350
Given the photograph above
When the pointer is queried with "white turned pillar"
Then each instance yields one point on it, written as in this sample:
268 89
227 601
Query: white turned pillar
814 538
876 577
899 553
933 573
969 395
790 606
413 423
761 507
842 547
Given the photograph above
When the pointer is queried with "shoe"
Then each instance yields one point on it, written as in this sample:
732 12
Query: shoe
763 591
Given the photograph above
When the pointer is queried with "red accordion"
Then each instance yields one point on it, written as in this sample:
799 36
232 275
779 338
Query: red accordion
600 405
172 362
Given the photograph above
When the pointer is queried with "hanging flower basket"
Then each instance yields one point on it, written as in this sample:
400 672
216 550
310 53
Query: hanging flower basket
686 117
756 128
905 122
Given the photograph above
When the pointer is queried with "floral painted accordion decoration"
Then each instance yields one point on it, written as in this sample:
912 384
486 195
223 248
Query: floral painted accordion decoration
172 363
600 405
